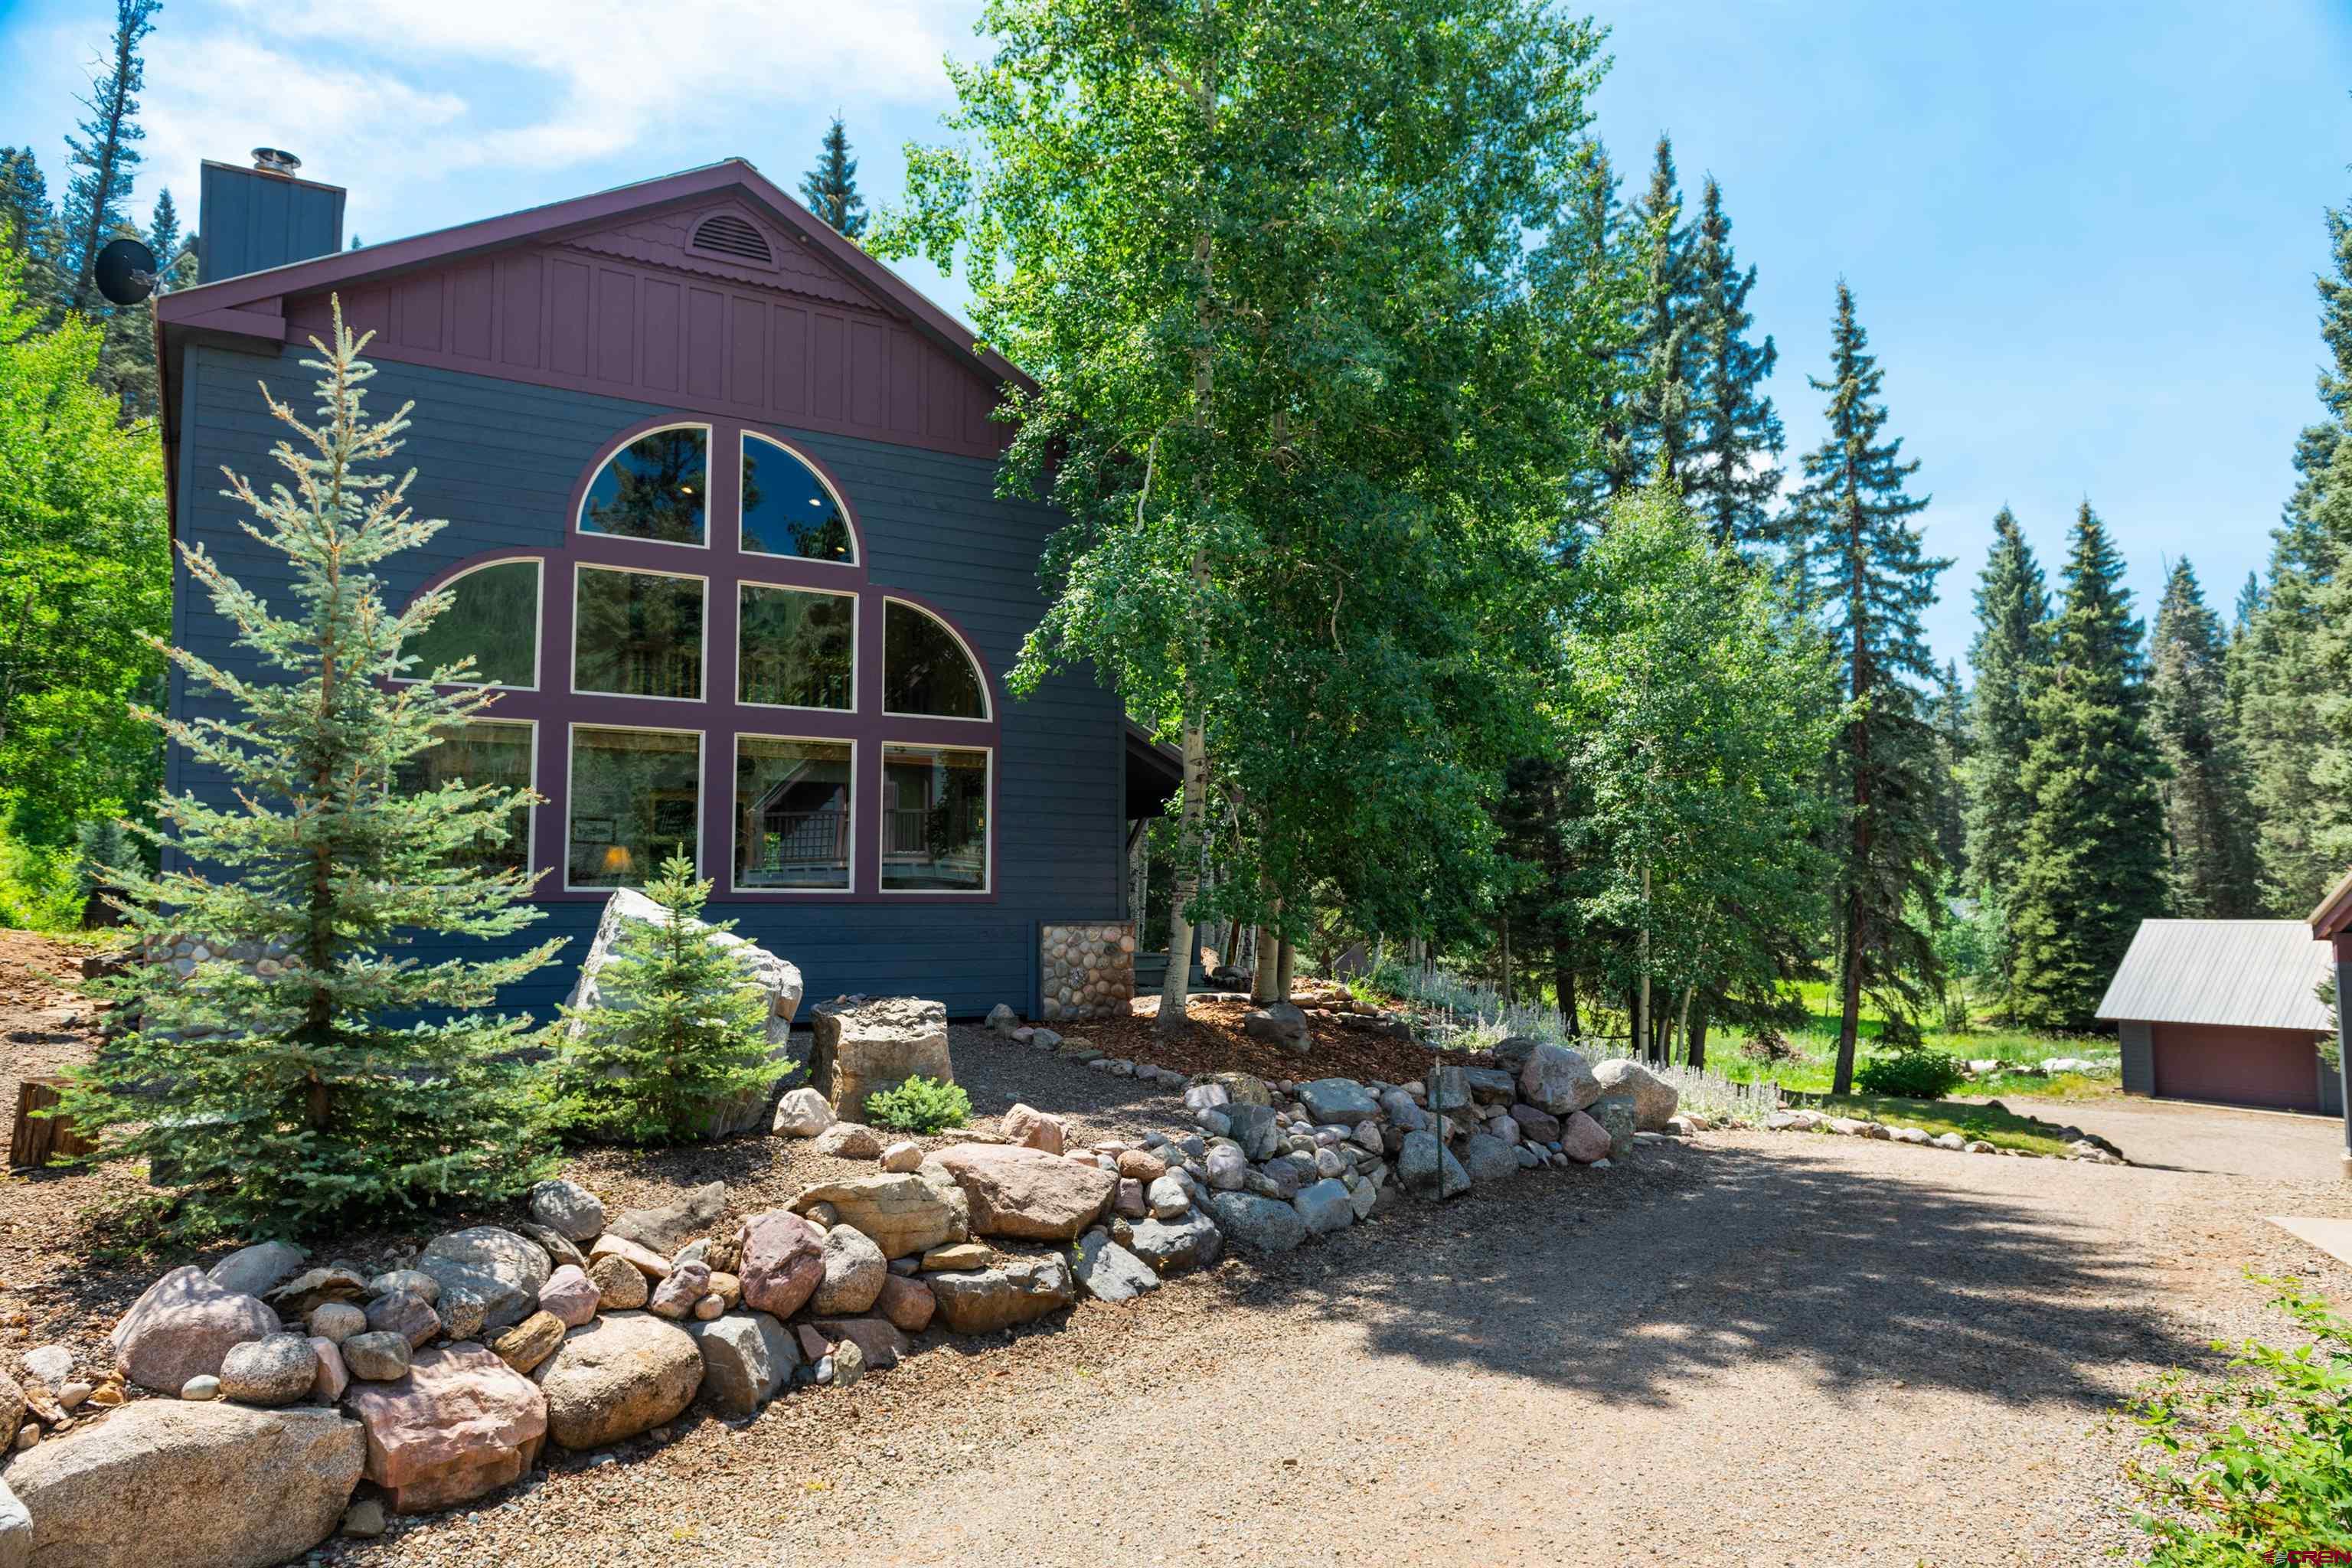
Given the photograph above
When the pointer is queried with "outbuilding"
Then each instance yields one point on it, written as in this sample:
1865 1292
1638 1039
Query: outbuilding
2226 1012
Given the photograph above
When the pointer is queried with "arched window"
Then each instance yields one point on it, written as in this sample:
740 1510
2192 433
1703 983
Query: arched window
926 671
788 508
763 707
656 487
493 619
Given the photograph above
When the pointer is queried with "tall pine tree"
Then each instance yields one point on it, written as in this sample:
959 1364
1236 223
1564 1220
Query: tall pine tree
105 153
2010 653
2093 864
1872 579
1663 415
830 188
1951 771
32 224
1735 468
2208 821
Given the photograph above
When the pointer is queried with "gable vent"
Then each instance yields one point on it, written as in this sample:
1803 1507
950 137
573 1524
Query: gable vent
732 235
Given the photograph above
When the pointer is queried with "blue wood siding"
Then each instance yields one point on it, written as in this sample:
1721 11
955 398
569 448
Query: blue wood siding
247 221
499 459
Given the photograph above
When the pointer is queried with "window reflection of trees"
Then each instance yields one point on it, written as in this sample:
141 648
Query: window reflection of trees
493 616
652 488
925 669
796 648
790 512
639 635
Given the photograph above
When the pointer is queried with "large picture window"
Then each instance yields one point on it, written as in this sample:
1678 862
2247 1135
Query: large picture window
493 619
925 670
636 800
787 509
934 819
655 487
796 649
792 813
637 633
479 753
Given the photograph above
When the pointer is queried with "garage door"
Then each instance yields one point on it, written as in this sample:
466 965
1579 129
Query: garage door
2274 1067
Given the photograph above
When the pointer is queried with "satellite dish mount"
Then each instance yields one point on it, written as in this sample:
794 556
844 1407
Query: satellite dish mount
124 271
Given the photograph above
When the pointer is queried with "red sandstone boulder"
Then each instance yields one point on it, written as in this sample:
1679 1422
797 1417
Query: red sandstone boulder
1027 1193
182 1327
461 1423
783 1262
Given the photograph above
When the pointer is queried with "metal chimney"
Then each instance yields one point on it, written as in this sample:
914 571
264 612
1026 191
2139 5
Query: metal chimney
271 160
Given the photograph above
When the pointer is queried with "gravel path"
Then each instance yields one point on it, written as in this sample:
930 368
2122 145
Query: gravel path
1762 1349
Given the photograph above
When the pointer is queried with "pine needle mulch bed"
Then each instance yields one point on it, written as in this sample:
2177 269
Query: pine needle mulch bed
1213 1041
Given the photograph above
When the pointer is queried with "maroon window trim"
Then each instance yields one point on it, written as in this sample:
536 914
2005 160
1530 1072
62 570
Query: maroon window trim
725 565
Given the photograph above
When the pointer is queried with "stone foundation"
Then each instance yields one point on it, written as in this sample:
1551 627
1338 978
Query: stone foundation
1088 970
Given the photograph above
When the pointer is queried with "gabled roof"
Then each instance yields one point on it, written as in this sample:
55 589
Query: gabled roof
244 304
2253 974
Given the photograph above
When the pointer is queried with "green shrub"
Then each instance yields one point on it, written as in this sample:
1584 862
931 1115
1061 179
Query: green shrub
38 889
2259 1469
1911 1072
682 1030
919 1105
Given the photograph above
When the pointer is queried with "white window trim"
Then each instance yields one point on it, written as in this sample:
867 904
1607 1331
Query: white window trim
538 620
855 615
576 689
882 825
709 439
572 793
745 435
979 669
735 820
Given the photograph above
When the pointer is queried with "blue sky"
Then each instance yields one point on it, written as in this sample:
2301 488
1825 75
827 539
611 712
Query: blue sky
2082 236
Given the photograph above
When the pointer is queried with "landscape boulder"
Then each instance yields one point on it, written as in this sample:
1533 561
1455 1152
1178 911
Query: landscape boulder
907 1302
1276 1024
849 1140
1337 1101
901 1212
783 1261
1253 1128
1033 1128
880 1344
1173 1245
460 1423
1027 1193
778 981
530 1341
257 1270
747 1357
665 1229
624 1373
1654 1100
1269 1224
854 1271
1109 1272
182 1328
332 1376
165 1483
1324 1207
1582 1138
675 1296
801 1113
378 1357
505 1271
16 1530
569 1209
620 1284
982 1300
1615 1113
1426 1168
571 1296
1557 1080
866 1046
276 1369
1537 1126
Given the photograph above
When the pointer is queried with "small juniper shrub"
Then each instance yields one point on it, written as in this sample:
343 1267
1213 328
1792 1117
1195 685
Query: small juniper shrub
919 1105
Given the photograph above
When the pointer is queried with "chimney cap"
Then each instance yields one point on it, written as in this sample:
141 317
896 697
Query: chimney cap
273 161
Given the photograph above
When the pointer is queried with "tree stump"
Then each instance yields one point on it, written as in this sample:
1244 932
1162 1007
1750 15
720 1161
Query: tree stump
38 1139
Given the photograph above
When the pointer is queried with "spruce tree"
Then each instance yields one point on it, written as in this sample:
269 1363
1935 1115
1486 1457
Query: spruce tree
301 1088
830 188
1735 469
1587 269
1871 580
2208 820
2010 653
680 1029
2093 864
165 240
32 223
1662 416
1951 771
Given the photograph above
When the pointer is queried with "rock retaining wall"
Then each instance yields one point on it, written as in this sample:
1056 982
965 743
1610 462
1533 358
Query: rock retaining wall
1088 970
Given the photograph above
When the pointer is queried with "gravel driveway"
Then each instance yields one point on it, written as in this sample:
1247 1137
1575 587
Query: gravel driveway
1761 1350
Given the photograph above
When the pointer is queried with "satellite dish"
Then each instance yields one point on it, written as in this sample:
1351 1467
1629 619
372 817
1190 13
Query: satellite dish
125 272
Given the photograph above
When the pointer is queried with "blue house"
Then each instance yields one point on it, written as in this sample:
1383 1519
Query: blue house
724 532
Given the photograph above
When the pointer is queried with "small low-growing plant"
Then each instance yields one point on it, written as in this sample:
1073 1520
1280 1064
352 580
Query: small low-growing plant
681 1030
2259 1469
1911 1072
919 1105
1768 1045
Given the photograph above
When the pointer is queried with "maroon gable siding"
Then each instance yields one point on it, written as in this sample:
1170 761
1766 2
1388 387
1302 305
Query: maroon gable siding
636 311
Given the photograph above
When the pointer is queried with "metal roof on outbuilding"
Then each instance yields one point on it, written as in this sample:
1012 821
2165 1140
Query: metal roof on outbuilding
2254 973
